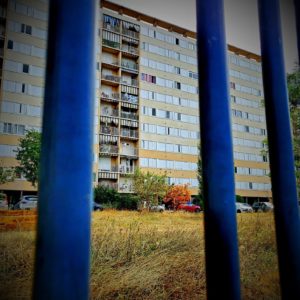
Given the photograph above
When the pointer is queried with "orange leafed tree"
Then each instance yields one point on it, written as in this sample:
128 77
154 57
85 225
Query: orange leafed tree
177 194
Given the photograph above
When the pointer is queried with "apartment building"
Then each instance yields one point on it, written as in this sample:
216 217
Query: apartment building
146 106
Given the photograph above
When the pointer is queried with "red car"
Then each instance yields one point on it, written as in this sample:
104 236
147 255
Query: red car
189 207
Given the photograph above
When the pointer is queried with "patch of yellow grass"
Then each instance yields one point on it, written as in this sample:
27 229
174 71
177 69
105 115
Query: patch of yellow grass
151 256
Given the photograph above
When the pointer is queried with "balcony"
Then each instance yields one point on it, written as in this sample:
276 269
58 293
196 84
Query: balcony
109 185
108 174
130 66
113 97
126 188
128 133
110 27
111 79
132 82
111 44
133 152
109 130
126 170
108 150
132 34
130 98
129 115
132 51
112 113
111 64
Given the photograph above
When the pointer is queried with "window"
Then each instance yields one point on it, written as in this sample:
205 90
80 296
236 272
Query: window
23 87
153 111
177 85
10 44
25 68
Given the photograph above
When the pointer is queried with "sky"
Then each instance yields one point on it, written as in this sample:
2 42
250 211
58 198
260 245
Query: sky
241 21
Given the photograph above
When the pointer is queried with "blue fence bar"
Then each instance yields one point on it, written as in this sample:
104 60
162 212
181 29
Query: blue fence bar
280 147
222 263
65 190
297 15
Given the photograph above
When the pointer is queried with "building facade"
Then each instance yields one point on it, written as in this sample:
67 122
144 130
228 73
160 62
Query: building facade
146 106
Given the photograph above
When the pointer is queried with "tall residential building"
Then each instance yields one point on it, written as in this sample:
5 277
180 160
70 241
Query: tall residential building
146 106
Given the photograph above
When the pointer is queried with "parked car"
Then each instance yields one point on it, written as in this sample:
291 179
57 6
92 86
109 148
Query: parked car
158 208
189 207
243 207
27 202
97 206
262 206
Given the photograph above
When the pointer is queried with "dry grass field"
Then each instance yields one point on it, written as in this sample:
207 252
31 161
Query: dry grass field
148 256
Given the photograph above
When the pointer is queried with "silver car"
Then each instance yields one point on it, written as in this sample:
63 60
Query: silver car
243 207
27 202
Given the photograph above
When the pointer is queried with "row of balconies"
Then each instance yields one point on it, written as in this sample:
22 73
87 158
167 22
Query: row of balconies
124 114
129 133
125 48
115 97
122 187
125 31
119 79
113 150
128 65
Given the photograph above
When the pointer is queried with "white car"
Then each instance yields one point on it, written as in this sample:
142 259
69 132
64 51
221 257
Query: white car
243 207
27 202
158 208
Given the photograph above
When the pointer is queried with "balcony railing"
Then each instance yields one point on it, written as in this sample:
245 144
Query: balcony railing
110 43
130 98
131 50
110 27
112 96
126 188
129 152
130 65
111 78
111 62
132 82
112 113
128 115
109 149
113 169
109 185
126 169
129 133
130 33
109 130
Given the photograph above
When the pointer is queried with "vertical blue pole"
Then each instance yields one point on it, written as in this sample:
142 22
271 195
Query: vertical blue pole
280 147
297 15
65 188
221 246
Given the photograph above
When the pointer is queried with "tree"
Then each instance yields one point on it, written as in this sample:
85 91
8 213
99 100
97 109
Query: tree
177 194
293 83
149 187
6 174
28 155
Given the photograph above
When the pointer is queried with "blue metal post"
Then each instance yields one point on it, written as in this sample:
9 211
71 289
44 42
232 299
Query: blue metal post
280 147
65 188
222 261
297 15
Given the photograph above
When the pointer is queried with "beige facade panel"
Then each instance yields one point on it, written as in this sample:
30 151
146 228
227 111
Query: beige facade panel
21 77
7 139
18 185
171 173
254 193
251 164
21 98
168 156
28 59
8 161
248 178
171 139
248 136
20 119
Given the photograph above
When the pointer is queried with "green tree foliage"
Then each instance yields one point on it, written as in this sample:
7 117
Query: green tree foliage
293 82
28 155
149 187
6 174
109 197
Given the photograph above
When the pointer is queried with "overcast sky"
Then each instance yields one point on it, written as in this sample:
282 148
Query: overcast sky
241 19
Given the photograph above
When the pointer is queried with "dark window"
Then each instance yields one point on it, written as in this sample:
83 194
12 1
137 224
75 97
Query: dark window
23 87
10 44
153 111
177 41
25 68
28 29
23 26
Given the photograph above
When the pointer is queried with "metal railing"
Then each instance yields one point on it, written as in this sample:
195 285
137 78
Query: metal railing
112 96
129 115
129 133
109 149
111 78
109 130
